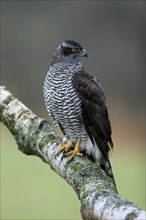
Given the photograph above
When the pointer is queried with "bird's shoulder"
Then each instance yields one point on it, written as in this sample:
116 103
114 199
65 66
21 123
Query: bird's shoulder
89 87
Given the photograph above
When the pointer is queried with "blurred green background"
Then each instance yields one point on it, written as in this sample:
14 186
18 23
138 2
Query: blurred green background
113 33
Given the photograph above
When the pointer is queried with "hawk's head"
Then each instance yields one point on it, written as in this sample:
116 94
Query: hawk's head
69 51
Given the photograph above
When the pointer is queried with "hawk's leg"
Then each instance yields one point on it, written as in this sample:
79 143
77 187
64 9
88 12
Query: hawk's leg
76 151
65 147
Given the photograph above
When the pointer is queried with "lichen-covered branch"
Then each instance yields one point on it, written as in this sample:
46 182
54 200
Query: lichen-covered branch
95 190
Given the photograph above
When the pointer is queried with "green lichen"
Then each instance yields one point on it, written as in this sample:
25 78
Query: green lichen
9 121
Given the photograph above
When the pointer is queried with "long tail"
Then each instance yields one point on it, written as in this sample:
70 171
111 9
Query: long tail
106 166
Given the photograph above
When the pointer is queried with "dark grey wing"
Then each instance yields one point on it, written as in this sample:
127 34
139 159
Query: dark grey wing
94 111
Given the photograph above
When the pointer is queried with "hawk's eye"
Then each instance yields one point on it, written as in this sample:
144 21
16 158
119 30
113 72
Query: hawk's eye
74 49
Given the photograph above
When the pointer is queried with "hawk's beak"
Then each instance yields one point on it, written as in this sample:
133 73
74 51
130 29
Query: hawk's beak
84 53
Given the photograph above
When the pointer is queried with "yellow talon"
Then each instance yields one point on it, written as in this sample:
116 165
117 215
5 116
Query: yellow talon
65 147
76 151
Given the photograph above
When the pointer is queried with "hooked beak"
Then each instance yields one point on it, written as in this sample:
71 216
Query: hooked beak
84 53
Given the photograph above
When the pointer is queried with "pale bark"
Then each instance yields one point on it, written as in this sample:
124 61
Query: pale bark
95 190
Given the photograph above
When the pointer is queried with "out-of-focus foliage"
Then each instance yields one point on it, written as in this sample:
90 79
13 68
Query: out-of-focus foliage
113 33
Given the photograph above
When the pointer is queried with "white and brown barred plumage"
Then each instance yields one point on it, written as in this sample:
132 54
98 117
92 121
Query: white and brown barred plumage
76 103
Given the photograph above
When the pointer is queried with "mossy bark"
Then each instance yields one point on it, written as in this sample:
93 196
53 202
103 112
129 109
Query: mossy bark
95 190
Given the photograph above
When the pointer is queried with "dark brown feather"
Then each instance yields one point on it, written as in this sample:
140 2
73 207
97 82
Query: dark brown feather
94 111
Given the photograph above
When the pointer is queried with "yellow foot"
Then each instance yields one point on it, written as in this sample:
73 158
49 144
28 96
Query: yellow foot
65 147
76 151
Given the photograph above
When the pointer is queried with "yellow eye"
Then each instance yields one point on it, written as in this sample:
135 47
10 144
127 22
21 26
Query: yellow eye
74 50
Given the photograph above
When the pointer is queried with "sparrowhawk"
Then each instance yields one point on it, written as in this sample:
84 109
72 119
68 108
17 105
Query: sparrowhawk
76 103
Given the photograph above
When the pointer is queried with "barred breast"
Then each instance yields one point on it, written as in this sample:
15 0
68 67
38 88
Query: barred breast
62 101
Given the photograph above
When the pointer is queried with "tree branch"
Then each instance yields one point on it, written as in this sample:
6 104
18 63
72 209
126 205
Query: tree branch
95 190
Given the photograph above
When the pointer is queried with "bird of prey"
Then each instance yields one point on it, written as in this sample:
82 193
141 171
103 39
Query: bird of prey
76 103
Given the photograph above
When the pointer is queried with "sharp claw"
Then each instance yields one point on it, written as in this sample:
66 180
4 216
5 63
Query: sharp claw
65 147
75 152
63 156
72 154
60 150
